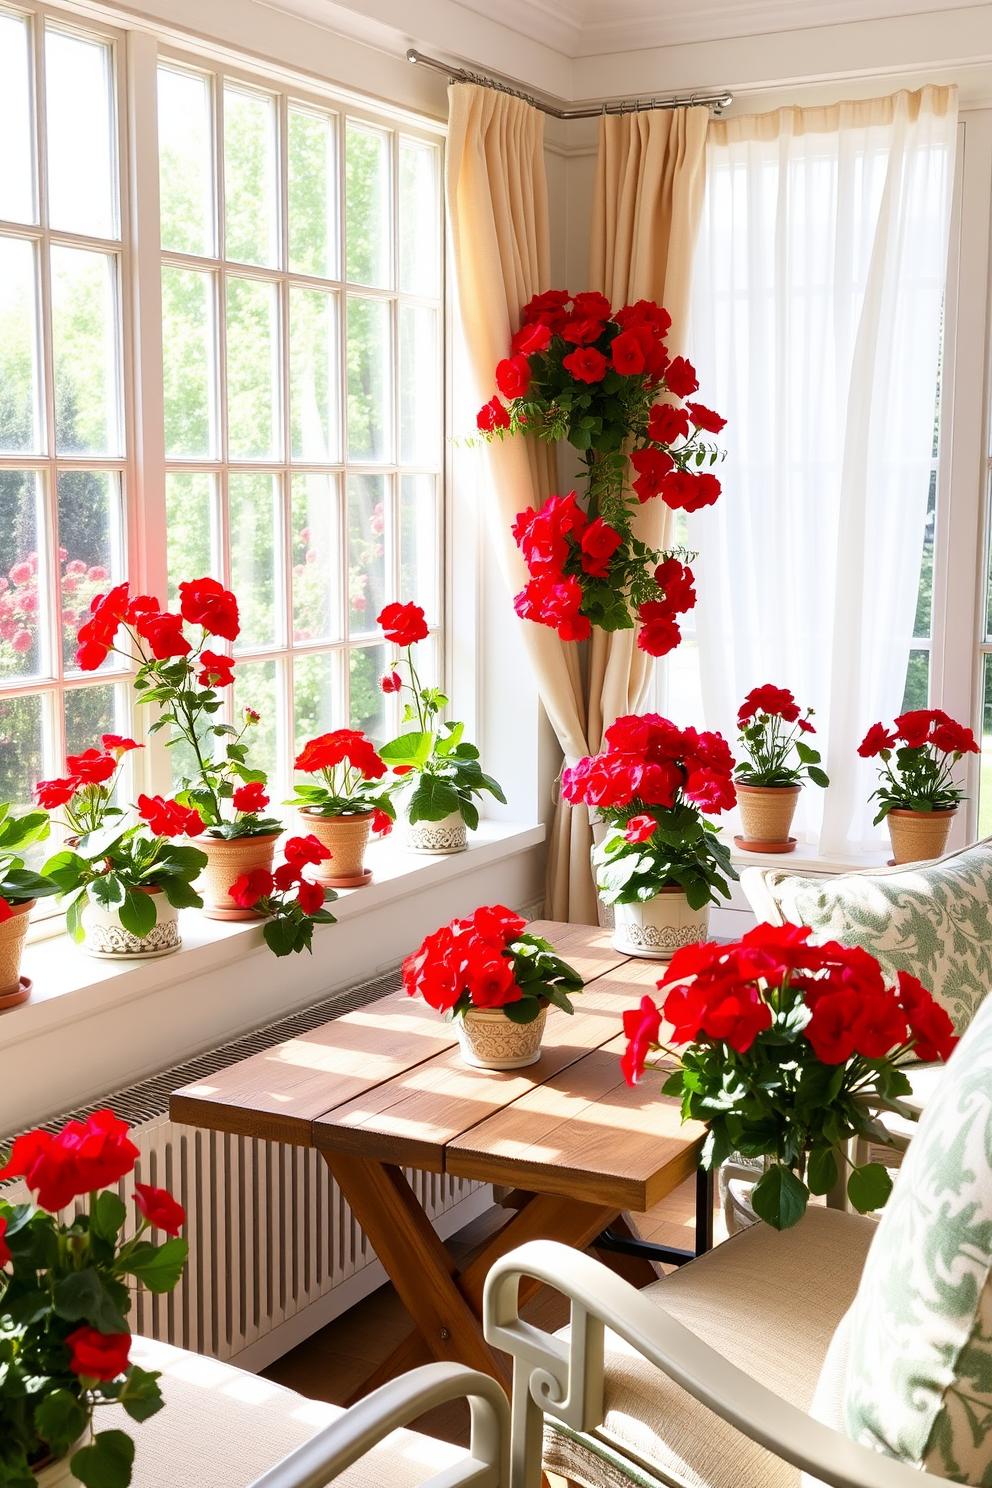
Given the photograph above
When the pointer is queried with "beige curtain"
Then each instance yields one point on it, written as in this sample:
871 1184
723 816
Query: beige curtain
647 206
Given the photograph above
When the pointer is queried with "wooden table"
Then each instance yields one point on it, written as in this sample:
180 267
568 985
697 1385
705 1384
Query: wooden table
384 1087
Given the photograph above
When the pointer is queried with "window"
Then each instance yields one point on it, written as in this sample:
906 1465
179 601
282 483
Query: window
302 355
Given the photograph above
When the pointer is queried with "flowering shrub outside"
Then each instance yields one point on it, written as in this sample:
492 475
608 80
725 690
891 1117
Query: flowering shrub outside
788 1050
917 756
20 602
489 961
578 370
653 784
291 903
349 766
771 722
64 1298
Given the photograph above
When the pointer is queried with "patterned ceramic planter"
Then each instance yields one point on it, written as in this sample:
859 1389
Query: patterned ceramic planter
655 928
105 936
13 987
227 859
766 816
449 835
489 1040
918 836
346 838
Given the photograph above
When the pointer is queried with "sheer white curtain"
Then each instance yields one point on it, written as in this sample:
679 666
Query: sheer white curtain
815 329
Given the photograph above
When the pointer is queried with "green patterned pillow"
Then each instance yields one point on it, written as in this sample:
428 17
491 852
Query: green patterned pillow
934 920
919 1368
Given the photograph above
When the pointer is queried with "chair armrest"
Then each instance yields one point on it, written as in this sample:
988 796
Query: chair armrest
566 1380
332 1450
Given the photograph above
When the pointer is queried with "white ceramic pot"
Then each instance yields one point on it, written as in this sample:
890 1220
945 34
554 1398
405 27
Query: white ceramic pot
105 936
655 928
488 1039
449 835
57 1474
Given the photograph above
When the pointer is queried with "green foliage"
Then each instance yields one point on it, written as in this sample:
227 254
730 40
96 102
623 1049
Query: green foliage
18 884
114 868
542 977
769 743
683 852
916 780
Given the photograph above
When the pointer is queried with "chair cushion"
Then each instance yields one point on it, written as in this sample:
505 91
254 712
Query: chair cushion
919 1370
222 1427
934 919
769 1302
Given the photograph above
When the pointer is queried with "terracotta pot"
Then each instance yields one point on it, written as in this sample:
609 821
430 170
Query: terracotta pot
13 987
346 837
766 816
104 935
227 859
654 929
918 836
488 1039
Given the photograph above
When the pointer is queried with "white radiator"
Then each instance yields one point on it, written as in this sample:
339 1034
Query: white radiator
275 1251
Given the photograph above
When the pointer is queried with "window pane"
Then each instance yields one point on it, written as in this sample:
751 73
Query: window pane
19 424
188 363
84 333
420 544
252 371
80 116
313 197
318 695
917 693
420 259
314 388
92 711
924 599
255 687
91 533
367 206
366 550
368 358
185 156
985 779
255 516
367 702
16 128
250 178
317 559
21 755
189 514
24 607
419 420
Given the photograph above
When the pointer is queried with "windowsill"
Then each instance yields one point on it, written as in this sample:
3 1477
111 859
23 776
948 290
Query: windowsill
70 984
806 857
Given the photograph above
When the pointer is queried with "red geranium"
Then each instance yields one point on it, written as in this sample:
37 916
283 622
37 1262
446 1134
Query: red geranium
875 740
328 750
652 466
391 682
586 364
119 744
164 634
680 375
775 701
169 818
684 491
83 1157
667 423
303 850
53 793
492 416
159 1208
531 339
403 624
599 542
92 767
556 605
310 896
216 669
98 1356
642 1029
206 602
249 888
705 418
640 828
513 376
250 797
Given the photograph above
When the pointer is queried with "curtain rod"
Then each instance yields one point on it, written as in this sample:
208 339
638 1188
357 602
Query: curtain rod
715 101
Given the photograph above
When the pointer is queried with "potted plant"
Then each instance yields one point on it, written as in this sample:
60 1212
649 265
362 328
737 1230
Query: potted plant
445 774
787 1050
916 792
185 678
289 903
579 371
661 864
64 1298
496 981
347 808
20 890
122 884
769 779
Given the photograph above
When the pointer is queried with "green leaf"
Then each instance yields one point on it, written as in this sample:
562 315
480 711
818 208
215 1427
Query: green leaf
409 749
446 742
106 1462
817 776
107 1216
17 832
60 1420
469 811
821 1171
779 1197
83 1296
433 800
137 913
141 1396
280 934
869 1187
180 894
158 1266
108 890
525 1010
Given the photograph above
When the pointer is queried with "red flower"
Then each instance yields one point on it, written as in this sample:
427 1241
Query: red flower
513 376
329 750
681 378
642 1027
287 876
556 605
6 912
382 822
914 728
531 339
159 1208
119 743
953 738
627 354
659 631
52 793
403 624
684 491
831 1028
777 702
677 580
640 828
303 850
492 415
310 896
542 536
930 1028
81 1158
217 670
250 887
875 740
580 331
250 797
98 1356
497 925
599 542
169 818
90 655
653 467
392 682
586 364
207 603
489 976
590 304
4 1250
547 308
705 418
879 1027
644 313
666 423
164 634
92 767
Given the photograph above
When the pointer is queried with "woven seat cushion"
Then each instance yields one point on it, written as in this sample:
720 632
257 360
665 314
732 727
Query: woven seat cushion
769 1302
222 1427
933 919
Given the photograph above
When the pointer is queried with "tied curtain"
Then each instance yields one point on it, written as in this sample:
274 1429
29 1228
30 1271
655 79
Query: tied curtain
815 329
648 198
